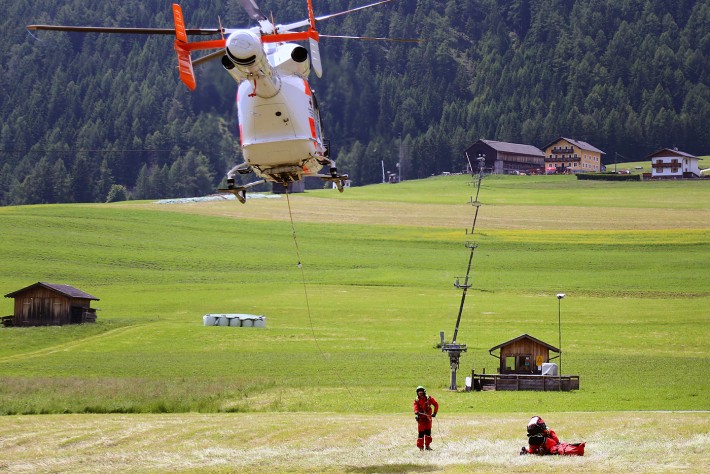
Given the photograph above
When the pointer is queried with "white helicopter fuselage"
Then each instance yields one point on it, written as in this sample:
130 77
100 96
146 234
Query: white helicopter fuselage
279 122
280 130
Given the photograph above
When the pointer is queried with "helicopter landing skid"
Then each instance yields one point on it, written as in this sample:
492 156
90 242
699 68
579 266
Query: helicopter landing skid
337 179
240 192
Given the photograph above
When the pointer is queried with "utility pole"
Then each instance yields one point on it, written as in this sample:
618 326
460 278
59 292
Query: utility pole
616 156
399 160
454 349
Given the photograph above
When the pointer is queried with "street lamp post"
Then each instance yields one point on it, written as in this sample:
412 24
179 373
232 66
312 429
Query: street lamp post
559 325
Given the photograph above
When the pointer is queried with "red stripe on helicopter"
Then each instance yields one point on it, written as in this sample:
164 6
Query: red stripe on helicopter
312 123
293 36
203 45
308 88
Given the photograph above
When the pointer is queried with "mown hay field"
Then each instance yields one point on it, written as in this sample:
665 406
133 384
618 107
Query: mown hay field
347 443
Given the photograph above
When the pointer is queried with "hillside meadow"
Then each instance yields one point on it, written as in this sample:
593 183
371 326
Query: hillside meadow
353 330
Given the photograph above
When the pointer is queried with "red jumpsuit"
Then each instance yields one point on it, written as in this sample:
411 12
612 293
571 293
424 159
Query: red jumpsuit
423 410
549 443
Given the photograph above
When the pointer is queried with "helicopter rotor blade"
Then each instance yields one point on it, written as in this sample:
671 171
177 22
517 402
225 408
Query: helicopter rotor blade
253 10
249 5
208 57
255 13
302 23
332 15
133 31
371 38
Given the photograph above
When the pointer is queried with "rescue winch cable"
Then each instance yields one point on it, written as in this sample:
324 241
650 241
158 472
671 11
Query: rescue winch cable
305 293
441 436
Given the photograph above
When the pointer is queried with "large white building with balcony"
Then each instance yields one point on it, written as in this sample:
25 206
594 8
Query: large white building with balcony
672 163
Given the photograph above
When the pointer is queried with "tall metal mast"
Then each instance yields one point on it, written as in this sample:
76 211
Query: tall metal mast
454 349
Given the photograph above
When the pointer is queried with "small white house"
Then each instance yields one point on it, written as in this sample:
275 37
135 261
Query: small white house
671 163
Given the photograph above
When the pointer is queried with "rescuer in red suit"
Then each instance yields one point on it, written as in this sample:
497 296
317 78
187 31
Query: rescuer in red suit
425 408
543 441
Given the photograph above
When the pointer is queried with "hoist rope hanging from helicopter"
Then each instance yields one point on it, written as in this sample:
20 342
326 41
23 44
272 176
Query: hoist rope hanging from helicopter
305 293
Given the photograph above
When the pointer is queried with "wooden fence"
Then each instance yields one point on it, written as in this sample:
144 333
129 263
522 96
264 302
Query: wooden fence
514 382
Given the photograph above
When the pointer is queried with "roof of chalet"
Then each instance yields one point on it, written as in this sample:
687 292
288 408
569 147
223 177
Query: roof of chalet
66 290
515 148
673 152
524 336
578 143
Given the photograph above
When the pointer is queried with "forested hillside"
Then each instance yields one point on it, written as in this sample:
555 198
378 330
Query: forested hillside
95 117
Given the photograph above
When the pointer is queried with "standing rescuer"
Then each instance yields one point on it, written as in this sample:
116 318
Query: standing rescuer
425 408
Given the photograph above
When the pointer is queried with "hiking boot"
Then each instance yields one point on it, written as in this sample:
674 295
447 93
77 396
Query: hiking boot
428 448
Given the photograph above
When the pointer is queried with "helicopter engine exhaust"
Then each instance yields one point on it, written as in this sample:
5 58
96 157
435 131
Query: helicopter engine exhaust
245 59
299 54
292 59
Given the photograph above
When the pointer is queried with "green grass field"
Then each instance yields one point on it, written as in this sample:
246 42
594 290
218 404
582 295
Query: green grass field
379 264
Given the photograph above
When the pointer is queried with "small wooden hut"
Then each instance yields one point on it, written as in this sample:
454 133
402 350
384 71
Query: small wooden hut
521 368
525 365
51 304
523 355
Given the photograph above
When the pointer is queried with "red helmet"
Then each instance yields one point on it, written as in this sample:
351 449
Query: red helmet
536 425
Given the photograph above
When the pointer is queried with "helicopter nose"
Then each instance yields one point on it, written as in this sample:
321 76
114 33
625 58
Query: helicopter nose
243 47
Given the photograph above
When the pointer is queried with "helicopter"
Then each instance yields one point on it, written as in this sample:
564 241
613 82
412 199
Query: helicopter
280 129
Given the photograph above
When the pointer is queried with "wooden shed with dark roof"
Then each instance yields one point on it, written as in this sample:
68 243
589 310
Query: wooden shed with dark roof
51 304
507 158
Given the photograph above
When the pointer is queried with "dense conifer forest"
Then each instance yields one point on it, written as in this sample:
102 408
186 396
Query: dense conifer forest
91 118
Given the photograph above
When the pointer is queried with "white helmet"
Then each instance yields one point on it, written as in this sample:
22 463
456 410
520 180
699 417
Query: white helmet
536 425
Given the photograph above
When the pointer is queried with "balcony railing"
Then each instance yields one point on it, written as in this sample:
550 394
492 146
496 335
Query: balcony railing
558 159
563 149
